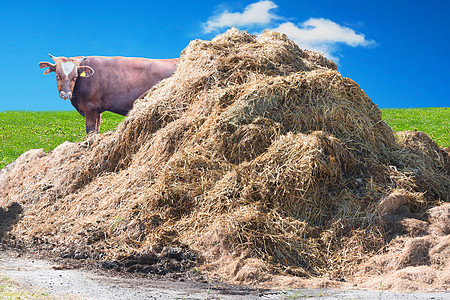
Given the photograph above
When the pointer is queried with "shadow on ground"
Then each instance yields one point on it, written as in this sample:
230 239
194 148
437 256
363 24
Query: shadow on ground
9 217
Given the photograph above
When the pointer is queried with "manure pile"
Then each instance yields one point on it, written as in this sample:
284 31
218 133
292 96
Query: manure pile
257 160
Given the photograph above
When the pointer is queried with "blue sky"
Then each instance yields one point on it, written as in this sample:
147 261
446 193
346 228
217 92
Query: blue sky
397 51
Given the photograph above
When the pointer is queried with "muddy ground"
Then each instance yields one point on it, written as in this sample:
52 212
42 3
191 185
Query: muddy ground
68 279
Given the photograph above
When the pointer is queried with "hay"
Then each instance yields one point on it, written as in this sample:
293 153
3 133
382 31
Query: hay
258 156
415 260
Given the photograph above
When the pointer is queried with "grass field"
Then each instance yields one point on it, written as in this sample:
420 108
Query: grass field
434 121
21 131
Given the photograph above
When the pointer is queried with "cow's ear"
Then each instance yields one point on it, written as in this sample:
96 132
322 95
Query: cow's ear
85 71
51 67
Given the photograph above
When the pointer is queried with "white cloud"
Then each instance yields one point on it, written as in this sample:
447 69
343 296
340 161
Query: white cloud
315 33
322 35
254 14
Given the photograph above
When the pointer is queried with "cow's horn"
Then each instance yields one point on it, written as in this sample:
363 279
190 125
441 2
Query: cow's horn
52 57
82 59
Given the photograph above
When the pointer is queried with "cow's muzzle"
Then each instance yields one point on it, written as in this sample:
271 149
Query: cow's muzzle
65 95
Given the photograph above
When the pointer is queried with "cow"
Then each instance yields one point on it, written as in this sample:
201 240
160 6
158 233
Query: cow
95 84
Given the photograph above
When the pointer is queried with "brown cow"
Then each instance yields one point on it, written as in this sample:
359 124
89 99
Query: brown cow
114 83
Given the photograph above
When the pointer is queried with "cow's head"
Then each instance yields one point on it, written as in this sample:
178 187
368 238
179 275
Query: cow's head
67 71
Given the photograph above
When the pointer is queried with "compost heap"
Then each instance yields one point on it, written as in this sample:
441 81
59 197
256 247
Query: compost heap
262 160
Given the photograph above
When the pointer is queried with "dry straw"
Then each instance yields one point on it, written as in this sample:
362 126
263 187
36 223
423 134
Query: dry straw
254 152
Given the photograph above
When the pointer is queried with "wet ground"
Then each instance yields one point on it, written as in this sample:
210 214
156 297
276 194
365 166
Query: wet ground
62 280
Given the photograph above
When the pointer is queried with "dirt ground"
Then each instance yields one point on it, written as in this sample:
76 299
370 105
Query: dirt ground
64 280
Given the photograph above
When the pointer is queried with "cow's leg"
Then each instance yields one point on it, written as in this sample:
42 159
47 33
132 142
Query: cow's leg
98 122
92 121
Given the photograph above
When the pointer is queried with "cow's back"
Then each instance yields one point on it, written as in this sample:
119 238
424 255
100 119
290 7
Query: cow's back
118 81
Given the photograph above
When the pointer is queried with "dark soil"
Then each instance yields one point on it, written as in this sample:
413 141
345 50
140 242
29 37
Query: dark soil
166 262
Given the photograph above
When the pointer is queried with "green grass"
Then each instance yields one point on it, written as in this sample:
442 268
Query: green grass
11 290
434 121
21 131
